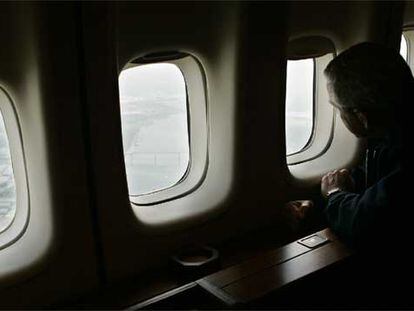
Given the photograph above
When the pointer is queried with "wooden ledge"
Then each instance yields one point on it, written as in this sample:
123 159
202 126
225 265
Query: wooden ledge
259 276
268 272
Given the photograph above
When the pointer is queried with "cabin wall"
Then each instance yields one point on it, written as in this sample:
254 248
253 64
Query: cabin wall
259 176
55 256
61 68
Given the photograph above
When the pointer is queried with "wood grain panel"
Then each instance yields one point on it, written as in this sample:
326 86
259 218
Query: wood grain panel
270 279
255 265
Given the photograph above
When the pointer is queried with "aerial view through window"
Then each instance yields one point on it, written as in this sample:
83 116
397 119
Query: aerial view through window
155 130
299 104
7 185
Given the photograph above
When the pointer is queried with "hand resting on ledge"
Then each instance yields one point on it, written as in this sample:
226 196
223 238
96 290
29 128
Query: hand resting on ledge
303 217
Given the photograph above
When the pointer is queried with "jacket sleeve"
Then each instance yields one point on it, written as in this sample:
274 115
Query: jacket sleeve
357 218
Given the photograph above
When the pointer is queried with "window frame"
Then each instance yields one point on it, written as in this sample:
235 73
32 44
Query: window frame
323 116
194 79
21 218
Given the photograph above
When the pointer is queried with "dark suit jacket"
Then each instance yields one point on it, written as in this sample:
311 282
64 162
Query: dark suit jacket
373 216
378 223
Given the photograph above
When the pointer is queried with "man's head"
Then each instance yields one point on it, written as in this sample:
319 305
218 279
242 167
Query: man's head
370 85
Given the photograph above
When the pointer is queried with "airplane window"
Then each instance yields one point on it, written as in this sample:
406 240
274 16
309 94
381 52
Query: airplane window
7 184
154 126
299 104
403 48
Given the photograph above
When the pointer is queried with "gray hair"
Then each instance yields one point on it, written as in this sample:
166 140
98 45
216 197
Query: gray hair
370 76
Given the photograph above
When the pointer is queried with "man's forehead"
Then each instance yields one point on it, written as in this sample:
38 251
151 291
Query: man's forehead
333 100
331 93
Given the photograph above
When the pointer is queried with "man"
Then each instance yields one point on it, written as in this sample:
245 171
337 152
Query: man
370 209
372 87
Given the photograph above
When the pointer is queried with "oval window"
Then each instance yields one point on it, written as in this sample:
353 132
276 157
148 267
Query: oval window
299 104
7 184
155 131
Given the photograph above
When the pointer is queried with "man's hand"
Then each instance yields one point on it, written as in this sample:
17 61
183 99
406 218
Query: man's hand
296 211
299 208
338 179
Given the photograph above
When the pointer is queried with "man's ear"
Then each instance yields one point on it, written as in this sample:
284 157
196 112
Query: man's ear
362 117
